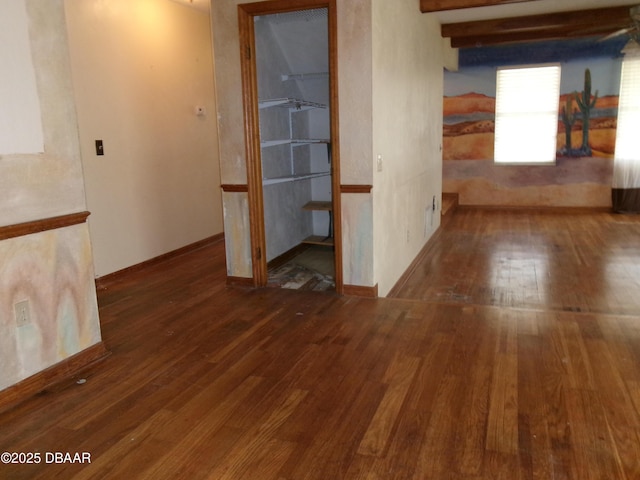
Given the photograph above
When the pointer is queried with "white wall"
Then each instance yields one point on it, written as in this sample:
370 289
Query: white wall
140 67
407 132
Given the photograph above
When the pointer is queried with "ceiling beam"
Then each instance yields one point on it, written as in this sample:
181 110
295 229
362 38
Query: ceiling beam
553 26
428 6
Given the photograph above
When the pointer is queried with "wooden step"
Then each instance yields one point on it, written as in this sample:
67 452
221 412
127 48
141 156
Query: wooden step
449 203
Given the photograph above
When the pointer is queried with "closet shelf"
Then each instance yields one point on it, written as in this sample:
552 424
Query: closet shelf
319 240
290 103
304 76
325 206
293 178
318 205
296 142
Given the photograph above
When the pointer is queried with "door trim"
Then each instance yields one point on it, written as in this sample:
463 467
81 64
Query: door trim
246 12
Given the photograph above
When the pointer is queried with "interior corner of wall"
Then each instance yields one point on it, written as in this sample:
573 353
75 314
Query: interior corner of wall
450 55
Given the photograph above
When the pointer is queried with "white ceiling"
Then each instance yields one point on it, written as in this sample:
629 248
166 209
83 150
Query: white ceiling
527 8
484 13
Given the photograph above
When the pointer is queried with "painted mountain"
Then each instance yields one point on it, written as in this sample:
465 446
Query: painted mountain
469 121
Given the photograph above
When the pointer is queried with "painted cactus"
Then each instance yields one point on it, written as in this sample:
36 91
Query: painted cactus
568 119
585 104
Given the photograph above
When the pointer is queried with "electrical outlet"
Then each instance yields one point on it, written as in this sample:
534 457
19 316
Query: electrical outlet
21 310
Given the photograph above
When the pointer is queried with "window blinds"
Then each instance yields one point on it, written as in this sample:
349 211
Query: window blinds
627 139
526 125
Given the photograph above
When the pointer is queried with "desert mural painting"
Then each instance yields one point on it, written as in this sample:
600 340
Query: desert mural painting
587 111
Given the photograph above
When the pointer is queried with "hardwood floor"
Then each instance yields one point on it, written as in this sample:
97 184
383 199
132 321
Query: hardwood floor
580 262
467 379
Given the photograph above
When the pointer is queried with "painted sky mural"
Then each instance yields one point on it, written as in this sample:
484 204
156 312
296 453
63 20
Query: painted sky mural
586 132
469 103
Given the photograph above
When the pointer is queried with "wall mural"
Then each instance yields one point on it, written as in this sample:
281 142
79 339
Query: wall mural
587 111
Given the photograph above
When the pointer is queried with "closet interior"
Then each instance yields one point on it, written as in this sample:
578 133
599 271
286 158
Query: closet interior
292 65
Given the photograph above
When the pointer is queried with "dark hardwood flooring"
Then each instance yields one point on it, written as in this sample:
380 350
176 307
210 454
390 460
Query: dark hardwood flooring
470 376
579 262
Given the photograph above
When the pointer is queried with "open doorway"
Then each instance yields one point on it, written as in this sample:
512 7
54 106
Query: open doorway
291 120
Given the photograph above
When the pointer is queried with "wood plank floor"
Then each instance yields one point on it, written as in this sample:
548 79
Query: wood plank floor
582 262
212 382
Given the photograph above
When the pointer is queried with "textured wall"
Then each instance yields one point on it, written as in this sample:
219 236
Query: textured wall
357 238
53 270
226 49
233 166
407 132
20 125
355 91
236 232
41 185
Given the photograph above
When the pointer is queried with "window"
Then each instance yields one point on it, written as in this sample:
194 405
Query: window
626 165
526 126
627 146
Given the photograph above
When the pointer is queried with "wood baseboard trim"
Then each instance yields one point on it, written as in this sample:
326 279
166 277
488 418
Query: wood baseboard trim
449 205
37 226
454 198
240 281
356 188
411 268
106 280
237 188
15 394
360 291
537 208
288 255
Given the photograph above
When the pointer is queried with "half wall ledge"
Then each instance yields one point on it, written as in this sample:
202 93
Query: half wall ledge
43 225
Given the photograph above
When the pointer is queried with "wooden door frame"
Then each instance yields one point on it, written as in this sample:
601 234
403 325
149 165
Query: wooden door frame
246 12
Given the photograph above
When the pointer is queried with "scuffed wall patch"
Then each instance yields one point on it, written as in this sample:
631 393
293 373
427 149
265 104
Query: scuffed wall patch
357 239
237 234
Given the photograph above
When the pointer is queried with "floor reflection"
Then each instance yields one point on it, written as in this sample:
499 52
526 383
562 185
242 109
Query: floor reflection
561 261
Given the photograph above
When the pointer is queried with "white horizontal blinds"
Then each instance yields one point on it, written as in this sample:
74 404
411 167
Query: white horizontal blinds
527 114
627 133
